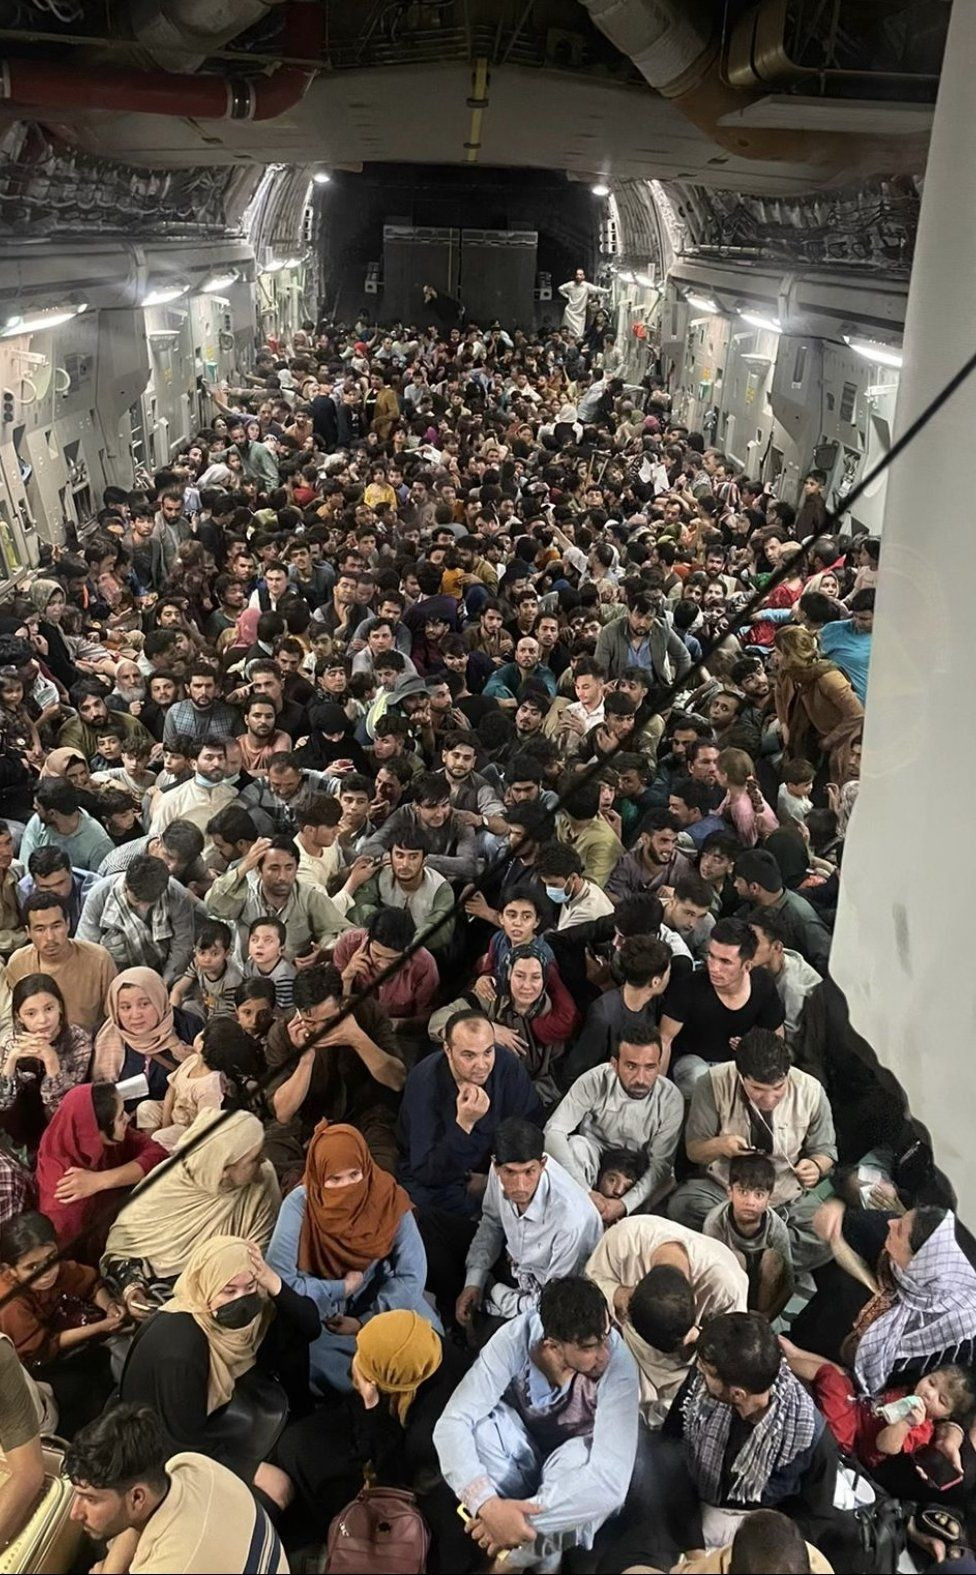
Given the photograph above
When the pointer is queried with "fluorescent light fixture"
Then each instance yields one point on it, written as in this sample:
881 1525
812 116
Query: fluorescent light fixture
756 360
877 354
645 280
626 277
601 189
46 317
219 281
772 325
702 303
274 266
164 294
293 262
321 177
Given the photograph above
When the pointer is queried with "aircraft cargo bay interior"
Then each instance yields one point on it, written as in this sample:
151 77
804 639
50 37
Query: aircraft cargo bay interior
485 715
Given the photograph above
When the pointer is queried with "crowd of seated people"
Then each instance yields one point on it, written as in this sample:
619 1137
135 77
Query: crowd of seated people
417 1050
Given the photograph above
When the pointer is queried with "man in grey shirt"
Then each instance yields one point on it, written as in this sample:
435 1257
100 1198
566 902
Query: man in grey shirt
625 1103
537 1214
794 977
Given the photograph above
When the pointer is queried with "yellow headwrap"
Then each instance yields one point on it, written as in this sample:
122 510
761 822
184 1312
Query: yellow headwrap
397 1351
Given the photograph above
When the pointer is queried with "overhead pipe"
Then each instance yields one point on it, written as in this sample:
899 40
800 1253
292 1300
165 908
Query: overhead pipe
39 84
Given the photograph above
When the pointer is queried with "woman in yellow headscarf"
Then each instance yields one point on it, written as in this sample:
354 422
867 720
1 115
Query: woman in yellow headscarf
403 1374
229 1313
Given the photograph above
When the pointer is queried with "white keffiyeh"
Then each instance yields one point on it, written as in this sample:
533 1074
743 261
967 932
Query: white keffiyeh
935 1311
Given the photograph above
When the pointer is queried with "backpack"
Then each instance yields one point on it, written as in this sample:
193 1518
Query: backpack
381 1532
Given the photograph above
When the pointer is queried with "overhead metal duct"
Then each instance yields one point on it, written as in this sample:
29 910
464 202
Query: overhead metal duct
179 35
675 44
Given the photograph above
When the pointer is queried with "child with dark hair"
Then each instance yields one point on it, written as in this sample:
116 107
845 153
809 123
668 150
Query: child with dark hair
619 1169
216 1075
266 958
62 1307
209 983
755 1233
255 1004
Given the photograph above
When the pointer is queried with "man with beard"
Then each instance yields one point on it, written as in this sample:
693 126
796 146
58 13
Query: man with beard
81 732
474 801
201 715
654 862
206 793
262 738
624 1103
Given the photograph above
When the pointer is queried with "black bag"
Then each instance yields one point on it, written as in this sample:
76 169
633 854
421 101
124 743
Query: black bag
865 1541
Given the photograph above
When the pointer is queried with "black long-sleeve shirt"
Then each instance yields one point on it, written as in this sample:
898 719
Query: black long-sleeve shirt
169 1364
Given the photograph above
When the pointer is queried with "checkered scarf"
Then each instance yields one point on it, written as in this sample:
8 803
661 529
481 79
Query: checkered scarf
126 935
934 1310
785 1431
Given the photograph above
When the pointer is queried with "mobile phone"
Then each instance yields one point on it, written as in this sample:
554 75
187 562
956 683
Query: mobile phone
937 1470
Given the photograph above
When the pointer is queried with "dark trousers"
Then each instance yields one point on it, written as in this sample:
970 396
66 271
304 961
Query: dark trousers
662 1515
446 1239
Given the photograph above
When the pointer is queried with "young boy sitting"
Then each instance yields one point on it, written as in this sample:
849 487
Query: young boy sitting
211 978
861 1426
619 1169
266 958
755 1233
108 746
133 775
793 802
255 1003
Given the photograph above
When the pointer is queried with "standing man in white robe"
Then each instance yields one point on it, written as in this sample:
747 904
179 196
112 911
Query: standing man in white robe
576 293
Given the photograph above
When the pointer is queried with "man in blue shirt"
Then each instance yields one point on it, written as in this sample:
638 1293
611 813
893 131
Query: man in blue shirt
59 821
538 1441
50 869
848 642
450 1112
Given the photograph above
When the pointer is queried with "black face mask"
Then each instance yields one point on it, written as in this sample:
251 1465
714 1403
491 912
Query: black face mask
240 1312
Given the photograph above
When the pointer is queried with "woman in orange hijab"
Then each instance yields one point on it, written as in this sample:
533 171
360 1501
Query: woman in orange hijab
348 1239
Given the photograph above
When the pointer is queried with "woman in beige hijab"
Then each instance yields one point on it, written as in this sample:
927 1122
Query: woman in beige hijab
229 1313
221 1188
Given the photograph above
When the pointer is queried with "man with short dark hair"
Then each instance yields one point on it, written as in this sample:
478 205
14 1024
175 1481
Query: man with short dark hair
795 979
81 731
759 884
760 1101
624 1103
143 918
50 869
535 1213
204 795
59 821
201 715
407 883
529 1484
451 843
265 881
741 1380
185 1513
654 861
348 1070
83 970
179 847
662 1282
703 1011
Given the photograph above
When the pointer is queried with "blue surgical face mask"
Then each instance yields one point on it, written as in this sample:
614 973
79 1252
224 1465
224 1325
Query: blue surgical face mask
557 894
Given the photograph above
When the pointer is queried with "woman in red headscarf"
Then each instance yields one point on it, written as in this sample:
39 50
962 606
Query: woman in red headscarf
347 1238
89 1157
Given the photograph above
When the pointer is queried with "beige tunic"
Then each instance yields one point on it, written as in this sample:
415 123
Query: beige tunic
719 1285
